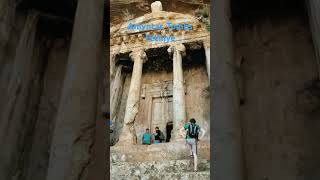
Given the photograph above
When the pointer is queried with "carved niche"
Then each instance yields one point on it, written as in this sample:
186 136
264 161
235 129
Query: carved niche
158 99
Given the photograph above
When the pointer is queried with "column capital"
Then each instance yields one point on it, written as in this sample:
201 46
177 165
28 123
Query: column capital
139 54
177 48
206 43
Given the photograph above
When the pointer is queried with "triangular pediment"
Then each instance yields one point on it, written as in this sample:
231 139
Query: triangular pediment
175 28
158 18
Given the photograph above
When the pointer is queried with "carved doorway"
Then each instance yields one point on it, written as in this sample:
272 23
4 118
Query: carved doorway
161 113
169 128
159 105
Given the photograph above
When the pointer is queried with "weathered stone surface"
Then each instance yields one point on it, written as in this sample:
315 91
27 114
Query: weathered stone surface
314 20
179 105
157 152
138 8
168 176
198 97
286 139
128 135
119 34
161 101
115 98
157 167
15 101
226 120
38 158
118 122
206 45
74 131
7 10
156 6
154 107
112 67
124 41
196 85
159 161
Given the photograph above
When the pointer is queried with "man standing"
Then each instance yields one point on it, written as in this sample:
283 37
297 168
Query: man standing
147 137
192 133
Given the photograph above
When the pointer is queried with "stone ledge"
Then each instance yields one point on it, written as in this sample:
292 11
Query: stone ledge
168 176
157 152
154 167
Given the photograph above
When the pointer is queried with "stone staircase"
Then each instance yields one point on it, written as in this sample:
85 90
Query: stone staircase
154 170
158 162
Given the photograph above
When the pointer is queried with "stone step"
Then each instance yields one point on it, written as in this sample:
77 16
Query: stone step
158 167
156 152
205 175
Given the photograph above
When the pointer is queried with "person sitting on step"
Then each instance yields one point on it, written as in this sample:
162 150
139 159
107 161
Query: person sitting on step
158 136
147 137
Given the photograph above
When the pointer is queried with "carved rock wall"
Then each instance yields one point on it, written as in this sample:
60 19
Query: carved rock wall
280 139
46 73
53 78
159 161
118 122
40 70
197 99
33 58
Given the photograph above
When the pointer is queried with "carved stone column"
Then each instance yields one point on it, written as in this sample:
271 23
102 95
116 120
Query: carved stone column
74 131
16 98
115 93
112 66
179 107
226 127
128 134
314 19
112 63
206 45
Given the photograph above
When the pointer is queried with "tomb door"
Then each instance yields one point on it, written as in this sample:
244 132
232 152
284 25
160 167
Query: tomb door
161 112
159 104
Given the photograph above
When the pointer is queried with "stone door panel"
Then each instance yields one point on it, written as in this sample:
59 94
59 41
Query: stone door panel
161 113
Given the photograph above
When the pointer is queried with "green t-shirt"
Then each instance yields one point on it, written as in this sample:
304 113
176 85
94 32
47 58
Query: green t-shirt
186 127
146 138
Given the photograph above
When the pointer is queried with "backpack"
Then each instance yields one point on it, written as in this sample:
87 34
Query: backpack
162 137
193 131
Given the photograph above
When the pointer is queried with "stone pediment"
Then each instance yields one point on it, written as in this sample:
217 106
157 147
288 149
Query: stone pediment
160 17
124 39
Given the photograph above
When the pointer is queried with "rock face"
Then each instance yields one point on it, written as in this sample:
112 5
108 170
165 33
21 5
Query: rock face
159 161
33 58
226 120
284 139
132 106
16 97
314 14
48 105
74 130
165 170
